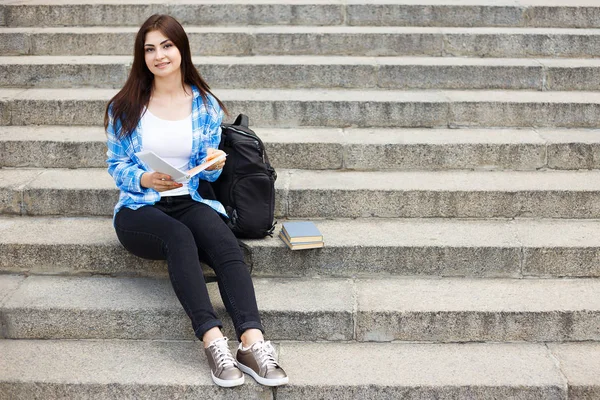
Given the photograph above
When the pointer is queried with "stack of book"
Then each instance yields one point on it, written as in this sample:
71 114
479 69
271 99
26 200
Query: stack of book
299 235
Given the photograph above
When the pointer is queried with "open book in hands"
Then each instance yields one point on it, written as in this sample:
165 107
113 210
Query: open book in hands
160 165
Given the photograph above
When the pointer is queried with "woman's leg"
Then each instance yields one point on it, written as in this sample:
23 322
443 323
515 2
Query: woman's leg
219 248
150 233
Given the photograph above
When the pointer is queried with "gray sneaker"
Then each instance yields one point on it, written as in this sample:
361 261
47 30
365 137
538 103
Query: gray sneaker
259 362
223 368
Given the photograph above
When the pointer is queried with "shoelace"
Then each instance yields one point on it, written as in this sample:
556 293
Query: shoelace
265 354
223 356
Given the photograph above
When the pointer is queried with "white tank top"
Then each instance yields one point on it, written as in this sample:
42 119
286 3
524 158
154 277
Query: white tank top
171 140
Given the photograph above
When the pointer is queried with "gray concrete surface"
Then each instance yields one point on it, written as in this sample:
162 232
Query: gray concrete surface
11 185
460 310
441 194
578 14
337 108
361 247
290 72
52 146
136 308
309 40
389 371
334 194
357 149
436 310
580 364
163 369
304 72
344 69
112 370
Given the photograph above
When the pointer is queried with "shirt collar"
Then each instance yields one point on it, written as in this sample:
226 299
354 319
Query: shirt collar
195 92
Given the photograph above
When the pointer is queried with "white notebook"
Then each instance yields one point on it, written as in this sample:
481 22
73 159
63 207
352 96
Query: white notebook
160 165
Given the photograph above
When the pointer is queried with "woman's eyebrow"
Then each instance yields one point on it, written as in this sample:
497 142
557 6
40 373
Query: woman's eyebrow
151 45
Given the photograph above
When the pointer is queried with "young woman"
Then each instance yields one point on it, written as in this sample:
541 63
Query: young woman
166 107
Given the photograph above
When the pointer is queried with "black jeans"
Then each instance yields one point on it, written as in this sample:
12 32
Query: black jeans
185 233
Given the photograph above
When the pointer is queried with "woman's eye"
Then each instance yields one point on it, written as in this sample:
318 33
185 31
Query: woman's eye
168 45
148 50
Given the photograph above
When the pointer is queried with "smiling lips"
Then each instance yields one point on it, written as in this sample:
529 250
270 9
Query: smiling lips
162 65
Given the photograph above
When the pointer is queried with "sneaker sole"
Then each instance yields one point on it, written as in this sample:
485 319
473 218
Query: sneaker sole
227 382
260 379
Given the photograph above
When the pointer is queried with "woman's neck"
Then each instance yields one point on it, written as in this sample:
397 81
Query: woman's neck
169 86
169 99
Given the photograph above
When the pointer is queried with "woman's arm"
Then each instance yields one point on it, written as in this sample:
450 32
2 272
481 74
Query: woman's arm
213 139
126 173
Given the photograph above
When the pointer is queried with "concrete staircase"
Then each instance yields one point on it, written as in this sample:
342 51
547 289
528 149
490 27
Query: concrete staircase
445 149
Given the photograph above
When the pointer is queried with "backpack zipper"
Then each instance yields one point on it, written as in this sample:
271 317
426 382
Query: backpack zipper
241 132
260 145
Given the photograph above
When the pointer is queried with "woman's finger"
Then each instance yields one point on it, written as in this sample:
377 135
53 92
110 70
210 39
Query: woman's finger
162 185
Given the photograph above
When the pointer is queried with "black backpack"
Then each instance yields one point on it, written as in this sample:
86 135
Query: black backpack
246 187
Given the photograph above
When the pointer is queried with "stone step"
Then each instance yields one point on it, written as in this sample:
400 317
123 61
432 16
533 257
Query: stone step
532 13
96 307
121 369
361 247
380 310
332 108
422 194
297 72
346 148
340 194
310 40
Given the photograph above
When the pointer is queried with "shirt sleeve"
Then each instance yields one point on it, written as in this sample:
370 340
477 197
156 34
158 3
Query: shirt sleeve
213 138
126 173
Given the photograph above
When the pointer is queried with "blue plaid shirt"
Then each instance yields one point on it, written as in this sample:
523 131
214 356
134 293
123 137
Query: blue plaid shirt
127 169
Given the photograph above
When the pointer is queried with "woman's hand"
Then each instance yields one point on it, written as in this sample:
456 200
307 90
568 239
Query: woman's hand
213 153
159 181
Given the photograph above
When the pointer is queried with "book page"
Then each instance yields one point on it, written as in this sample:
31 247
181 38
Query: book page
205 164
160 165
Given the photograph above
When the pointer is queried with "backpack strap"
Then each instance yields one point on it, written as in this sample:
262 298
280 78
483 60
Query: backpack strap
242 120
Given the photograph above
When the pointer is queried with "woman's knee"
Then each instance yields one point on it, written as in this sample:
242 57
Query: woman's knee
142 244
149 233
180 238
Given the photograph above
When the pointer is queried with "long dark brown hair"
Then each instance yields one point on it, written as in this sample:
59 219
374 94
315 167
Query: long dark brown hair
128 104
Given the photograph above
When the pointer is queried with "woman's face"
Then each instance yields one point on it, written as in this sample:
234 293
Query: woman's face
161 55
